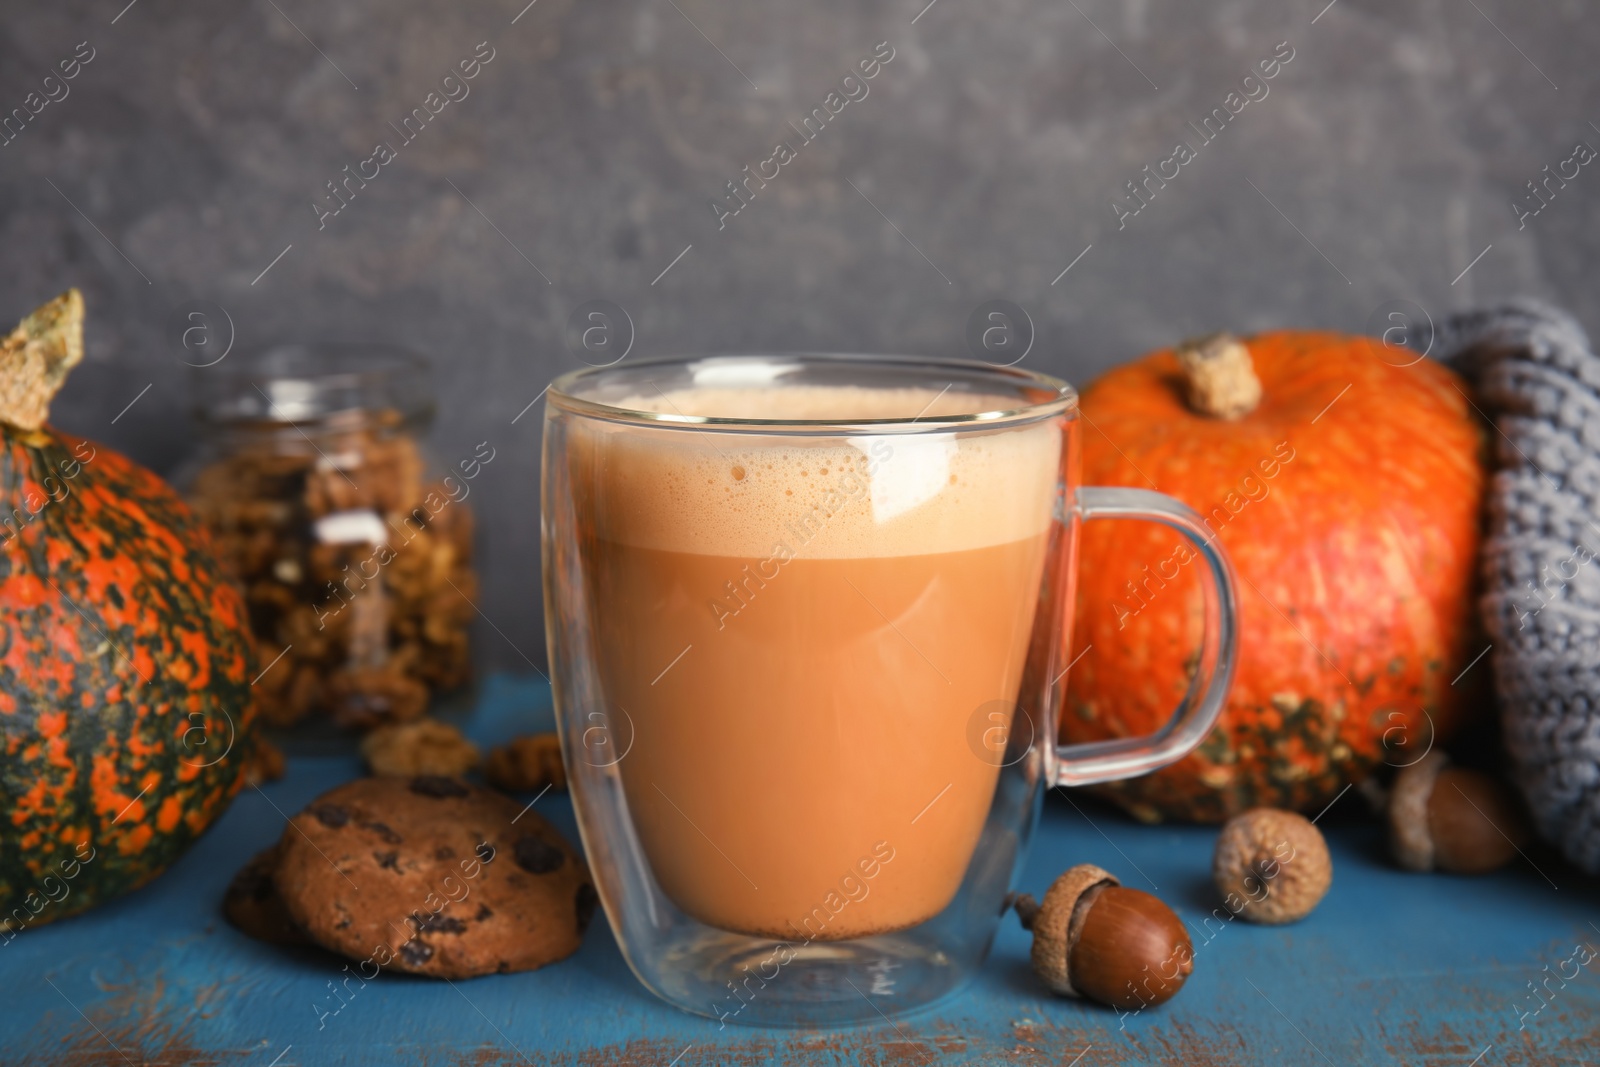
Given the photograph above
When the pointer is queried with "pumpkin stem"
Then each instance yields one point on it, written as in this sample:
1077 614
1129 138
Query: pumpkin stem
1219 377
35 359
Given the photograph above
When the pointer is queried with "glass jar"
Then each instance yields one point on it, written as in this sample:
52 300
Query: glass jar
354 554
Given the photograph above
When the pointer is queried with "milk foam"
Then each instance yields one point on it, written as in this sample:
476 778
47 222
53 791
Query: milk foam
693 490
842 403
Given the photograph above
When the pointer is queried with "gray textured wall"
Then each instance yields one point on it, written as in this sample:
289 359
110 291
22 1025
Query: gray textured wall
189 151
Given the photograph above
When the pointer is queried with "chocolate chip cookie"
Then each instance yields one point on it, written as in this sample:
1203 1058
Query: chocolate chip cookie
433 876
251 903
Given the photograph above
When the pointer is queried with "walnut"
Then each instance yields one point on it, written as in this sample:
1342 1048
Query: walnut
426 746
266 763
446 666
392 468
269 596
365 697
287 693
305 692
525 764
331 486
308 630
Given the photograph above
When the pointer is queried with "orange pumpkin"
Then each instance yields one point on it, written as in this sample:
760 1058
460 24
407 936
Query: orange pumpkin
1347 489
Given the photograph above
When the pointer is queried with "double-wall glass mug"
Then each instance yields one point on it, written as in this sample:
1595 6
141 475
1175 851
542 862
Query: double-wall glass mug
809 620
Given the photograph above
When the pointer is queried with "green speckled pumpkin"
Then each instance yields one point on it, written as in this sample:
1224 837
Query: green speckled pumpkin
125 661
1346 484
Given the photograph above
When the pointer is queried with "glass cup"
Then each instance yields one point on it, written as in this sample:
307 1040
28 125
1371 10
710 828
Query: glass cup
809 620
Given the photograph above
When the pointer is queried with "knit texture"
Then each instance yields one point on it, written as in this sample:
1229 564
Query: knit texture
1539 381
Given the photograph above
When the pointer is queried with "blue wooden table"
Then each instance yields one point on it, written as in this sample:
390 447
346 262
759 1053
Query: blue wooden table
1392 968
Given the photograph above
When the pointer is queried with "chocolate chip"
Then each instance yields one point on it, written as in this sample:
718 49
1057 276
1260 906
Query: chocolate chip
390 860
444 852
433 785
483 913
485 852
416 953
587 899
435 921
383 831
536 857
331 815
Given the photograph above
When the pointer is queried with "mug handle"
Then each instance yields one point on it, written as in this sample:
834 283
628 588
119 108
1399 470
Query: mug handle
1126 757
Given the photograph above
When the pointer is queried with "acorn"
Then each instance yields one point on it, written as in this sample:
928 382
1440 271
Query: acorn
1095 938
1448 818
1271 866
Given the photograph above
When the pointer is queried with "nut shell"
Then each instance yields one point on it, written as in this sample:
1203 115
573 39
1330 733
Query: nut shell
1410 838
1129 949
1476 825
1275 862
1053 926
1456 819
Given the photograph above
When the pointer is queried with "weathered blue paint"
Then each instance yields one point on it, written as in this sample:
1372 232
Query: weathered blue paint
1393 968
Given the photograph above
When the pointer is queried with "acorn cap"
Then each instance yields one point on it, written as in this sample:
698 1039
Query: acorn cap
1059 918
1410 836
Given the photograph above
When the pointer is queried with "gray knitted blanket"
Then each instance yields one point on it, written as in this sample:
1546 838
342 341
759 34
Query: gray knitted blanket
1538 378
